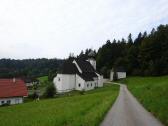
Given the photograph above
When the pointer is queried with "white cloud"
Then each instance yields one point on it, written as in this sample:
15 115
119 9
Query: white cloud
54 28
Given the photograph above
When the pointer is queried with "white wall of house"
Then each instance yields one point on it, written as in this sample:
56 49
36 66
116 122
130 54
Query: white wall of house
58 82
90 85
68 82
100 80
106 80
14 100
80 83
121 75
64 82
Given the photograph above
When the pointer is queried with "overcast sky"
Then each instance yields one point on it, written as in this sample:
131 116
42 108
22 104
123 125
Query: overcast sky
54 28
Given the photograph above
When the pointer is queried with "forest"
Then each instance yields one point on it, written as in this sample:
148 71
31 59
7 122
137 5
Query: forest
28 67
146 55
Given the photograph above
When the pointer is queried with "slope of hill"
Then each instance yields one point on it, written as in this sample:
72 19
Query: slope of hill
87 110
28 67
152 92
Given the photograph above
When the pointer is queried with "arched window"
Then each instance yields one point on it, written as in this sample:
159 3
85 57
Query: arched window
79 85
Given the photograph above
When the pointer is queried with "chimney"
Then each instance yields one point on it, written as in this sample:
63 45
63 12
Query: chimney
14 80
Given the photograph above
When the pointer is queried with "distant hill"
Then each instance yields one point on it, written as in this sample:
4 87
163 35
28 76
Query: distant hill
28 67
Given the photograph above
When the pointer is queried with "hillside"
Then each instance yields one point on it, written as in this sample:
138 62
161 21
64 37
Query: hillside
28 67
87 110
152 92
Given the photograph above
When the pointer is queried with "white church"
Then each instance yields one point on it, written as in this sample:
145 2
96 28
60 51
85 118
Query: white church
78 74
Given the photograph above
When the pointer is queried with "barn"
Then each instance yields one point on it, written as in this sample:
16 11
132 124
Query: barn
121 73
12 91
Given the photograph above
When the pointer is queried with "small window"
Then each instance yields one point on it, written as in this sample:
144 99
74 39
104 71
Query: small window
79 84
2 102
17 101
8 101
87 85
59 79
91 84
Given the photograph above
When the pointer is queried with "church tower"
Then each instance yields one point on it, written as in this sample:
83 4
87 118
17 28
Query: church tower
91 59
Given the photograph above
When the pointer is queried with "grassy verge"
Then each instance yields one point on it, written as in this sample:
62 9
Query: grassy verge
152 92
85 110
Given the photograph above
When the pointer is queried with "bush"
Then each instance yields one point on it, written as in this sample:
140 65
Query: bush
50 91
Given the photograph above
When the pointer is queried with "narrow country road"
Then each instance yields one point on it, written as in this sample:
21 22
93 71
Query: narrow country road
127 111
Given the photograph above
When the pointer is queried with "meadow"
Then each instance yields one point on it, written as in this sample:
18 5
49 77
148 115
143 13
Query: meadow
152 92
86 109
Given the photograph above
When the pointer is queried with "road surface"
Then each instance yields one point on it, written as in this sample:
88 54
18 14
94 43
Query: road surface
127 111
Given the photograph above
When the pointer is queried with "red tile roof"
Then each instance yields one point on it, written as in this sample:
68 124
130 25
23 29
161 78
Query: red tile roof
11 88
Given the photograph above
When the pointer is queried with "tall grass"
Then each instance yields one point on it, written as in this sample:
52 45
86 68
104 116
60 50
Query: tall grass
80 110
152 92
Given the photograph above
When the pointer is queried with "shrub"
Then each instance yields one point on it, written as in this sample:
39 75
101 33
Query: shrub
50 91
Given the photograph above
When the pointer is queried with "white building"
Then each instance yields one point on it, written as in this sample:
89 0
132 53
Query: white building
78 74
12 91
121 73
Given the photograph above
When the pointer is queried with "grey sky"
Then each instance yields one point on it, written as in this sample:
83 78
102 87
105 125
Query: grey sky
54 28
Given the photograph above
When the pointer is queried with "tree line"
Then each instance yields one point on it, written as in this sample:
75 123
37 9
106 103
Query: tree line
33 68
146 55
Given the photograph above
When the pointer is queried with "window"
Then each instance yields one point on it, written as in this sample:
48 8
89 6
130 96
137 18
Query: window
87 85
79 84
2 102
17 101
91 84
59 79
8 101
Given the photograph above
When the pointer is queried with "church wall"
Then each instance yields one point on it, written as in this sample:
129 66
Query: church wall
90 85
64 82
79 83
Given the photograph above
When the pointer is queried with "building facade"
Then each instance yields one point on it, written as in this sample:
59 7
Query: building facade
12 91
78 74
121 73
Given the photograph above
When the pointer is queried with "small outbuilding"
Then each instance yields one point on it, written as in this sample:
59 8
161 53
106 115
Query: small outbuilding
121 73
12 91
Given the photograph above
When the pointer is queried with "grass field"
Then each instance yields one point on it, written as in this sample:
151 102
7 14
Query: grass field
43 80
79 110
152 92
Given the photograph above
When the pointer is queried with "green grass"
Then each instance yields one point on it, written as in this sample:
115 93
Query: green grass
152 92
78 110
43 79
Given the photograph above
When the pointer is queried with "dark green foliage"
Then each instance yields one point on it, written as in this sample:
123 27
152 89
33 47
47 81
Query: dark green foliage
28 68
50 91
52 74
147 55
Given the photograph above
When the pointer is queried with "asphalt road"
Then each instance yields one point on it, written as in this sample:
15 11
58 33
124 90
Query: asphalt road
127 111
